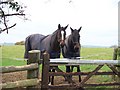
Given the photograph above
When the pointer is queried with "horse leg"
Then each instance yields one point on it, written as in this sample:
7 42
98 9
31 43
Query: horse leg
67 70
78 70
72 67
52 81
51 78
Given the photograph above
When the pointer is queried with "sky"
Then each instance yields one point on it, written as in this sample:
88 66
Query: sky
98 18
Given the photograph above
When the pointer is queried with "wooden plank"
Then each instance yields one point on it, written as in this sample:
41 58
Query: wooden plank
113 68
21 83
34 57
89 75
68 86
118 68
45 71
78 73
60 71
103 84
66 61
8 69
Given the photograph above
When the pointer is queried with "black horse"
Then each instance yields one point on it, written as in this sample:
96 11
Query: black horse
72 48
51 43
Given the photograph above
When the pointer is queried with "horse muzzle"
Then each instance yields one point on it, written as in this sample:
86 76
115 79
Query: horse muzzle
76 47
62 43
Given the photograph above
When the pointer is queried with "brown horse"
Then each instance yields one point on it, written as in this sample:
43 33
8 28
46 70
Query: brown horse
51 43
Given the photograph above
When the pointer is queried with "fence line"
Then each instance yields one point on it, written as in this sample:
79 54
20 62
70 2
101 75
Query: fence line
8 69
110 63
20 83
66 61
32 72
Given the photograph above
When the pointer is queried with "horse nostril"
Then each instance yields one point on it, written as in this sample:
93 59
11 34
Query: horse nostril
76 48
62 43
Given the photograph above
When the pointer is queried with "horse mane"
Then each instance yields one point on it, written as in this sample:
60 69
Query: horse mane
54 33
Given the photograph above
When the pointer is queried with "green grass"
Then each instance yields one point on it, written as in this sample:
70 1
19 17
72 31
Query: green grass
12 55
97 53
13 51
11 62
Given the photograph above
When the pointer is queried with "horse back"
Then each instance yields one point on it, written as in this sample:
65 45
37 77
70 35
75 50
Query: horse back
32 42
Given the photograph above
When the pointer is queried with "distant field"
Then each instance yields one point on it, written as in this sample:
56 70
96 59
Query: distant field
13 56
97 53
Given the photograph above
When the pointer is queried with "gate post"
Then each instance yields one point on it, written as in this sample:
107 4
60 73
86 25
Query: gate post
118 68
34 57
116 56
45 71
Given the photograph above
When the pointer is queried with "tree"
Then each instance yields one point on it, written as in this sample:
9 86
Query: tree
15 10
20 43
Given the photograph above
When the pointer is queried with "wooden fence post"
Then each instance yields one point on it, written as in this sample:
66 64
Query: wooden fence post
115 53
118 68
45 72
116 56
34 57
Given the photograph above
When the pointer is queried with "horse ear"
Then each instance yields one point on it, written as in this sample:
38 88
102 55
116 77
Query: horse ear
66 26
71 30
79 29
59 26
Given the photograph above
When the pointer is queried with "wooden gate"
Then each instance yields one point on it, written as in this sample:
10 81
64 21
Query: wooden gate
100 63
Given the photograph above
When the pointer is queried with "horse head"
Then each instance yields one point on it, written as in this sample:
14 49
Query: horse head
61 35
75 36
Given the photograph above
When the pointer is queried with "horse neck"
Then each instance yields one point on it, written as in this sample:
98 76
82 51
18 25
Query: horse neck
70 43
54 44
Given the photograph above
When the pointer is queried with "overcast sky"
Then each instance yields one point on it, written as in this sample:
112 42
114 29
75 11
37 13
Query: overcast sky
98 18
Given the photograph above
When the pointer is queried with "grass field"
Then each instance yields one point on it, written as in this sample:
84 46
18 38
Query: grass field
13 56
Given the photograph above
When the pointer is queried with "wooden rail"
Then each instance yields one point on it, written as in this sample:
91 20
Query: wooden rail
100 63
20 83
65 61
32 72
8 69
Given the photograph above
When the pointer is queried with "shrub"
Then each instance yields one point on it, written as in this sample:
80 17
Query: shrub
20 43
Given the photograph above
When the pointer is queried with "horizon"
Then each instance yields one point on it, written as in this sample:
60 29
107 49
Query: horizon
10 44
99 20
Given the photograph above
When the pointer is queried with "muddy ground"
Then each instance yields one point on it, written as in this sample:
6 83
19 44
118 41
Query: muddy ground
22 75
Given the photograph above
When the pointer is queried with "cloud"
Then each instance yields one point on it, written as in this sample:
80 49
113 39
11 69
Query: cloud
99 19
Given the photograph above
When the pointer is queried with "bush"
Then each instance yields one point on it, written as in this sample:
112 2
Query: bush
20 43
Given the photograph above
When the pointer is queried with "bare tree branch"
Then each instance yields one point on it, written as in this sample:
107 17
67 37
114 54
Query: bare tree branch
6 2
7 28
4 16
4 19
14 14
